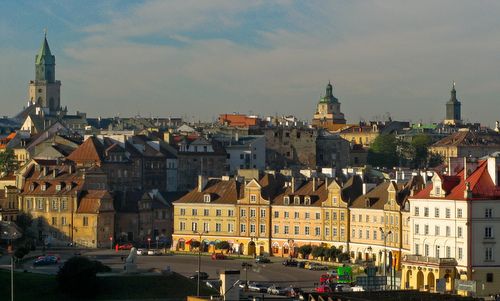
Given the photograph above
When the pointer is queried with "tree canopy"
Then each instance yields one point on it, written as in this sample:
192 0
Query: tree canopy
8 161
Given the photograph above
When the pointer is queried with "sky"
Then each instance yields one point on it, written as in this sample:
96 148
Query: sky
197 59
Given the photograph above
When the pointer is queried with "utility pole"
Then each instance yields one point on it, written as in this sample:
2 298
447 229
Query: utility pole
385 249
199 262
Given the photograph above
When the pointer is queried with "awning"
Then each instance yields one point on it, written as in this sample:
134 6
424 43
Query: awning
189 242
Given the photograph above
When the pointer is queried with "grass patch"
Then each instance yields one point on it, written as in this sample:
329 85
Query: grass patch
39 287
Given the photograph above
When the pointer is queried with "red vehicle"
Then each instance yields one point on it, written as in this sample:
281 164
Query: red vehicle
324 289
328 278
218 256
126 246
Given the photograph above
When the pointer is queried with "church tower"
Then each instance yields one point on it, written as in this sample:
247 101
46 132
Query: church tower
45 90
453 110
328 114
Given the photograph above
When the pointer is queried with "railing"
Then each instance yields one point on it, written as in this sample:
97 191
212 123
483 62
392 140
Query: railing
427 259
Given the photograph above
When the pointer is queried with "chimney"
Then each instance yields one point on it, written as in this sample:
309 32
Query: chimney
467 191
293 184
54 173
326 183
44 171
70 169
465 169
202 181
314 183
493 169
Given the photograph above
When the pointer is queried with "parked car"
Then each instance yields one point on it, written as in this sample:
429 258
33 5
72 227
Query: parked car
262 259
46 260
203 276
218 256
141 252
343 288
125 246
152 252
323 289
317 267
276 290
292 291
290 263
307 265
301 264
257 287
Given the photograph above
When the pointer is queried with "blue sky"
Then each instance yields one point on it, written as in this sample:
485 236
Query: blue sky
197 59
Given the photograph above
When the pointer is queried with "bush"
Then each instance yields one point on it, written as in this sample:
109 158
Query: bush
100 267
77 277
305 250
222 245
318 251
343 257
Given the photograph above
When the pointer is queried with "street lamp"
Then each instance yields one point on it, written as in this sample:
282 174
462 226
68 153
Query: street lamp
199 261
149 243
245 266
10 232
384 235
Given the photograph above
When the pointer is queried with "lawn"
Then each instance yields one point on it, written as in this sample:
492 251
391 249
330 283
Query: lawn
39 287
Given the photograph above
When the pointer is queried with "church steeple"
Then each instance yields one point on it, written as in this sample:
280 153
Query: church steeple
45 63
453 108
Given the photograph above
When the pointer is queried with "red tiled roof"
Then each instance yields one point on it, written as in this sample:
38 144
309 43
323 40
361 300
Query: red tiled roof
91 151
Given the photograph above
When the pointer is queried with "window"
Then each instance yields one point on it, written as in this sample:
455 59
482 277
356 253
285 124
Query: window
206 198
327 215
218 227
353 233
276 214
426 250
448 231
243 228
334 216
183 211
375 219
286 200
243 213
327 231
318 215
317 231
448 213
296 215
426 211
342 216
182 226
286 214
375 234
342 232
194 226
334 231
85 221
417 249
488 232
296 230
436 212
459 231
218 212
307 230
417 213
353 218
360 218
459 213
39 204
54 221
334 200
230 212
253 213
367 219
206 212
437 252
253 198
206 227
296 200
488 254
230 227
417 229
392 220
489 277
367 234
262 228
54 204
360 232
276 229
460 253
44 187
307 215
194 212
488 213
448 252
262 212
436 230
307 200
63 220
252 228
426 229
286 230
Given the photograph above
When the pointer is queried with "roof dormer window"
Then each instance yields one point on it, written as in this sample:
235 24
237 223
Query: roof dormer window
296 200
253 198
32 186
307 200
44 187
58 187
286 200
206 198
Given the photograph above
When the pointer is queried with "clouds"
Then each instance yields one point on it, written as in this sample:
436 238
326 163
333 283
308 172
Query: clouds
201 58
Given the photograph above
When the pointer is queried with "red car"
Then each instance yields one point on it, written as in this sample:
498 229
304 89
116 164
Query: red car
126 246
218 256
323 289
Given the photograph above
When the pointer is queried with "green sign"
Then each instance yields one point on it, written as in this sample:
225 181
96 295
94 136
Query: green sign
344 274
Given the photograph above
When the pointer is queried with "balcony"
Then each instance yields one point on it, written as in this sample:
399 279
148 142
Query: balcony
431 260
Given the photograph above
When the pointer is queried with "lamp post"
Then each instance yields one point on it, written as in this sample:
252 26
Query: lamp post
245 266
149 243
10 232
384 235
199 262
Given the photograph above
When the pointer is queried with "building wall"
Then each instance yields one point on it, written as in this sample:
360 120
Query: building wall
290 146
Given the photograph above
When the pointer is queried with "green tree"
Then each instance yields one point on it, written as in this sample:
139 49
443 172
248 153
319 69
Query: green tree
8 161
420 145
435 159
318 251
305 250
383 151
222 245
195 244
343 257
77 277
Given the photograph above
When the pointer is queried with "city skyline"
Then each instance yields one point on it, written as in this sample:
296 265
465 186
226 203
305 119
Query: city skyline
201 59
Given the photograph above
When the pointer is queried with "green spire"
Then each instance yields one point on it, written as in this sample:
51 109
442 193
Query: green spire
44 55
